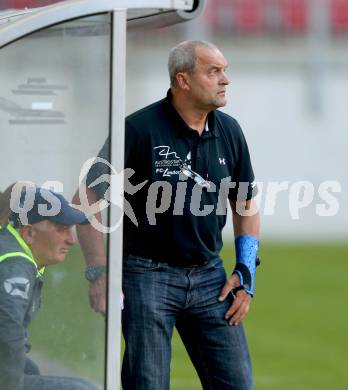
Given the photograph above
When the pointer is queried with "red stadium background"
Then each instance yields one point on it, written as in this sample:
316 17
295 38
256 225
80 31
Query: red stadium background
247 16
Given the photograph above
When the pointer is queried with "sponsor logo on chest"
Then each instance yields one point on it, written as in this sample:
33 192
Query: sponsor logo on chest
169 162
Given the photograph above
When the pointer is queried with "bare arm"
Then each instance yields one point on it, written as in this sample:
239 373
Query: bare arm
93 248
242 225
246 225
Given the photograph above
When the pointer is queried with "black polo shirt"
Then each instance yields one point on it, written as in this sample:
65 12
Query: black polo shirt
178 221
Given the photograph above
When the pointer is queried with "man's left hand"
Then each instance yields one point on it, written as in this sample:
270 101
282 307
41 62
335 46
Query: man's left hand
241 303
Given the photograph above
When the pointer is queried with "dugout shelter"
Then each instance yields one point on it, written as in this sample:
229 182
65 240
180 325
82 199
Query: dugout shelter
62 92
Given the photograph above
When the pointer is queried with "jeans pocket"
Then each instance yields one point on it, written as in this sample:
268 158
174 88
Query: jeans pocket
217 263
139 264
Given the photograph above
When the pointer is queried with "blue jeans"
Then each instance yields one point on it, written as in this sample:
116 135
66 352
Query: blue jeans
159 297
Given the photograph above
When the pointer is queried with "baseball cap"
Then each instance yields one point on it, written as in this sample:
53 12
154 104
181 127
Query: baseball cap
34 204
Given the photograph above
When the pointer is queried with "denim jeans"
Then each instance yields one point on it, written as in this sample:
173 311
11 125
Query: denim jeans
159 297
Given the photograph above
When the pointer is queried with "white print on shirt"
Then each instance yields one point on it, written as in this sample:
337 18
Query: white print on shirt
17 286
167 167
166 172
165 151
188 158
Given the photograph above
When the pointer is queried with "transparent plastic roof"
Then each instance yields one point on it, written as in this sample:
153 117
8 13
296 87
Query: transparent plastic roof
139 9
140 14
12 15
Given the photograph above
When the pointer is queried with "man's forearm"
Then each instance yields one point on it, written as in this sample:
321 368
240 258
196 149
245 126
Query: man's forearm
246 224
246 230
92 245
93 248
91 240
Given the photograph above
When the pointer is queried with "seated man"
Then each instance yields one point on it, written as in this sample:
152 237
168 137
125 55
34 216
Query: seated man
30 241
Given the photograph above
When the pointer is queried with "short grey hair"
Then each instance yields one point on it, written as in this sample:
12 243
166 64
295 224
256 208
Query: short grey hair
182 58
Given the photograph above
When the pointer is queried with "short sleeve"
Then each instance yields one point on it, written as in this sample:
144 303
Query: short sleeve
98 178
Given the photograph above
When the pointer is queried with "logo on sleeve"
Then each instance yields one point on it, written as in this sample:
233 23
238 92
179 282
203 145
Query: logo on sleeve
17 287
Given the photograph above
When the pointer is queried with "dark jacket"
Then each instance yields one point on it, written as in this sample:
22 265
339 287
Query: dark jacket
20 290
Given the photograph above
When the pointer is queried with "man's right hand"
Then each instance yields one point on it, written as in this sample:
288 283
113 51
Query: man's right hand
97 294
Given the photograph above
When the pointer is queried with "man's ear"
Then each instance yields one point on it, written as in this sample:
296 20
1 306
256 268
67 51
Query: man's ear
28 234
182 81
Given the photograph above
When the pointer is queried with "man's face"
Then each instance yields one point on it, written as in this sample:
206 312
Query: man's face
208 81
50 242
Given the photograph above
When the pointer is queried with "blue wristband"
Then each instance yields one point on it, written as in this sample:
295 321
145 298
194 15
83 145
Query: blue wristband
246 255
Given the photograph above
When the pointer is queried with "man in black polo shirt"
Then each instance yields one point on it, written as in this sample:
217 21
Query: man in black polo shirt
187 159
